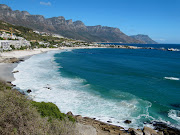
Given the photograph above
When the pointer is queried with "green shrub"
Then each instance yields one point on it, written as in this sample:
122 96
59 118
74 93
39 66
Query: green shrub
48 110
19 117
51 111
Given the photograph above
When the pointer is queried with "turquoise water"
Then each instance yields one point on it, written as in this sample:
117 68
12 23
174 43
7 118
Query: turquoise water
107 84
150 75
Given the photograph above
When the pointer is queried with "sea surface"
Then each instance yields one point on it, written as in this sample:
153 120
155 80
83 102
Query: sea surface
107 84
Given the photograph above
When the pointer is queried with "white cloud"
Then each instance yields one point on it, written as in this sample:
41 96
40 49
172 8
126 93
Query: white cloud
45 3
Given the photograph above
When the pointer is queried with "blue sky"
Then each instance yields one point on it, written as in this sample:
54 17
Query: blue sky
160 19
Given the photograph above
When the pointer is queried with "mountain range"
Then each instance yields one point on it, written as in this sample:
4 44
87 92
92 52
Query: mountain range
67 28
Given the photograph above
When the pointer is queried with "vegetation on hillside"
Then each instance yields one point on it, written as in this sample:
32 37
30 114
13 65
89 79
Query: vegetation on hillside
25 32
19 115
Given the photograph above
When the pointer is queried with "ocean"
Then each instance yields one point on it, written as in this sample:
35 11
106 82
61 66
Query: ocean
108 84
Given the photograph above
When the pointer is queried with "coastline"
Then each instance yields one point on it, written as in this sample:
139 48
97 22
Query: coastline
9 60
101 127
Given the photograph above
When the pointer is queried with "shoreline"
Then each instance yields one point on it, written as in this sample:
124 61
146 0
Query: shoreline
101 127
9 60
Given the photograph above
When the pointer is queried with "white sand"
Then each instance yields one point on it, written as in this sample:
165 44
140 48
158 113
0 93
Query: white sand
25 53
7 68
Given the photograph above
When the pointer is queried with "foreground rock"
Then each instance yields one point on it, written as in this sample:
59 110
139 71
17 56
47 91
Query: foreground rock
167 130
85 129
15 71
127 121
102 128
10 60
29 91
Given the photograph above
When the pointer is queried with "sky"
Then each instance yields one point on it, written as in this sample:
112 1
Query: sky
160 19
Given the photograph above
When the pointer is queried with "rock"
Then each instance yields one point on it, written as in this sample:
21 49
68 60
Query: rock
70 113
13 85
160 133
116 127
78 118
21 60
15 71
85 129
160 126
49 88
13 60
23 93
149 131
109 121
9 82
127 121
29 91
135 131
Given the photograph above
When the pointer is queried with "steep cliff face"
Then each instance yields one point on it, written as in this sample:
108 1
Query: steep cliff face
67 28
144 38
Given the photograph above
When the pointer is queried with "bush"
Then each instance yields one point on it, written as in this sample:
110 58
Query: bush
19 116
51 111
48 110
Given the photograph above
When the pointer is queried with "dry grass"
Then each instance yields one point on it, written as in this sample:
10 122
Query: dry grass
19 117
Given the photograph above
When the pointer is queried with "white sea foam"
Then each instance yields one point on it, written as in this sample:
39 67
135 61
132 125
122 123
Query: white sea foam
40 71
174 114
172 78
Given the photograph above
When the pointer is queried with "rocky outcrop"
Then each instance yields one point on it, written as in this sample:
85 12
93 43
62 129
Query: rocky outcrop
109 129
10 60
144 38
66 28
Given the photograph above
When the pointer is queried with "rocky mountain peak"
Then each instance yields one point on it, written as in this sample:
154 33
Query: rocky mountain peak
60 18
69 22
4 7
78 22
25 13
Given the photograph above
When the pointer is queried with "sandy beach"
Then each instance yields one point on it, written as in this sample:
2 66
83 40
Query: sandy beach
7 66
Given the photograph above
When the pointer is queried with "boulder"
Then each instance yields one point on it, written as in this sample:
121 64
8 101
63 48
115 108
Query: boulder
149 131
78 118
29 91
127 121
85 129
13 60
15 71
135 131
70 113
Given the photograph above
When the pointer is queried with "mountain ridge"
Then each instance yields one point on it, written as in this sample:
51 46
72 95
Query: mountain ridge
66 28
144 38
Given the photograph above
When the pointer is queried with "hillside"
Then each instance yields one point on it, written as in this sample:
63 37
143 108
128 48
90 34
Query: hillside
21 116
25 32
144 38
66 28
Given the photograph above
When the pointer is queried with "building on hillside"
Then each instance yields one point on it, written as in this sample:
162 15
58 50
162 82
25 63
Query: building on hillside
17 44
57 35
4 45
